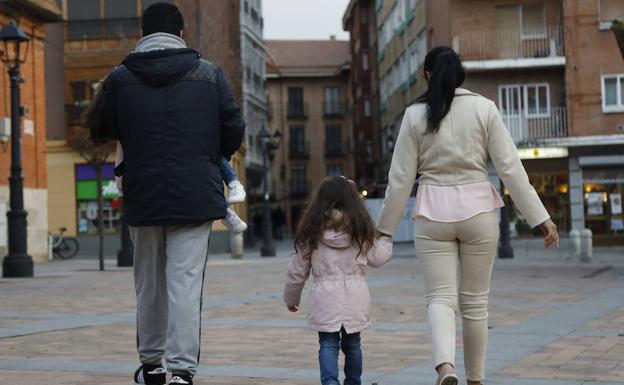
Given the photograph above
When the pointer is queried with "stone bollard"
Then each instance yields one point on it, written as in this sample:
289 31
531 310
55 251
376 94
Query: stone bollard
236 246
575 241
587 243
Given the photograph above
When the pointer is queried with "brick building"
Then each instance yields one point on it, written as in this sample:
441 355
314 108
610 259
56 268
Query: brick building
360 20
31 17
98 34
308 85
554 69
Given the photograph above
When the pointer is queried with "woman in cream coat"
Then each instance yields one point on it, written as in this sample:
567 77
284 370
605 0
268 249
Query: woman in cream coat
447 138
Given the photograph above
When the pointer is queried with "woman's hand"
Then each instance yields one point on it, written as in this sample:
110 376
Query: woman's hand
551 235
292 308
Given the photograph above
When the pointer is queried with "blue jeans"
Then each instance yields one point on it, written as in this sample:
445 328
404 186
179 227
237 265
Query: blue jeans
331 343
227 172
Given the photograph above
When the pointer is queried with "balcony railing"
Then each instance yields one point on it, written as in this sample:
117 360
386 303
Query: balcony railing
525 129
297 110
510 44
299 150
334 108
103 29
299 188
334 149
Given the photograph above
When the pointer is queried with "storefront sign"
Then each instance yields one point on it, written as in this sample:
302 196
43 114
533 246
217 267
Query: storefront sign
543 153
594 204
616 203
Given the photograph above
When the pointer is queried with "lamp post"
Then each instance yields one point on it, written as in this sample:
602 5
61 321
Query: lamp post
269 145
18 264
505 250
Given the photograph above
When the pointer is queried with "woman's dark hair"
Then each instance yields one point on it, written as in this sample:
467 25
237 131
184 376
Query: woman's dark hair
447 74
162 17
338 206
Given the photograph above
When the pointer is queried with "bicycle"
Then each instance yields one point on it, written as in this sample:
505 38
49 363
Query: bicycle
63 247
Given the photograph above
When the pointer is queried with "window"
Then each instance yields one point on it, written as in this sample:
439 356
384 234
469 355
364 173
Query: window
333 140
298 180
86 199
79 91
332 101
297 140
611 10
365 61
121 18
81 15
334 169
367 107
295 102
116 9
146 3
533 18
537 97
364 15
613 93
246 7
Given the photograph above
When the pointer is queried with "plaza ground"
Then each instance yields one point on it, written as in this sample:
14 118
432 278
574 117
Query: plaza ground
553 320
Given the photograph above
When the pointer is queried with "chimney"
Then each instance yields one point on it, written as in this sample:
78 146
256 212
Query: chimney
332 37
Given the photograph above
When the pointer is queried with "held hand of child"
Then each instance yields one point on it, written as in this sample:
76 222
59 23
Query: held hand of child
292 308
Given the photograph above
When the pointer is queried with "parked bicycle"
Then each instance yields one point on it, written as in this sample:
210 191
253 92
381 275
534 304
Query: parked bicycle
63 247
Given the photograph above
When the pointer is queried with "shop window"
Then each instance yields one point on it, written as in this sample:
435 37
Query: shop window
613 93
604 189
87 195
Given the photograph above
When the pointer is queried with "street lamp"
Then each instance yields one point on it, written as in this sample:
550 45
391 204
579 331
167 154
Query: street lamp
269 145
18 264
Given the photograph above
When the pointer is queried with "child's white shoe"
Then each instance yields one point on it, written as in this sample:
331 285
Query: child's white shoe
233 223
236 192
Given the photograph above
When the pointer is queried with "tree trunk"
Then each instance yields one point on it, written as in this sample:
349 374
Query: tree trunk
100 220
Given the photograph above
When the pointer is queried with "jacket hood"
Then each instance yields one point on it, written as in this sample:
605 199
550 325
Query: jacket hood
336 239
162 67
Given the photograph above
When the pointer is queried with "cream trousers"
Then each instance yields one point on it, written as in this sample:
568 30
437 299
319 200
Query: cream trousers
457 260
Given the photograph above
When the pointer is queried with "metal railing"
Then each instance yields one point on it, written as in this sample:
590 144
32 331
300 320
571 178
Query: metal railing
335 149
510 43
299 149
299 187
297 110
525 128
103 29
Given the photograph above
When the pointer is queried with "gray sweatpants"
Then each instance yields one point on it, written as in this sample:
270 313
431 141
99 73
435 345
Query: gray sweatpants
169 264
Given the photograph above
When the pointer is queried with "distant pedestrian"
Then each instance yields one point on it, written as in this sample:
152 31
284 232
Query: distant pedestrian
447 138
175 119
335 242
278 219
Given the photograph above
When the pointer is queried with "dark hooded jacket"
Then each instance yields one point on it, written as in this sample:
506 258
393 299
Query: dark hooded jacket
175 117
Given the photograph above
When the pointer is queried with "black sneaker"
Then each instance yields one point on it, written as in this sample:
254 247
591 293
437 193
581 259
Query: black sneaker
181 379
150 375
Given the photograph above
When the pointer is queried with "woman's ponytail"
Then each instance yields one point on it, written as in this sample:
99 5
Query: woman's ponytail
446 74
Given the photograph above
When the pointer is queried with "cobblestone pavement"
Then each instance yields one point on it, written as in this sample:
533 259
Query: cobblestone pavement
553 322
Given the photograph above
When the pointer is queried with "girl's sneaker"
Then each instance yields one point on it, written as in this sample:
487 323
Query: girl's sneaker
180 379
150 375
233 223
236 192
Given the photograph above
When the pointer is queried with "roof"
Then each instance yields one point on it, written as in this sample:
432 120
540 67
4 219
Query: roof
44 10
301 58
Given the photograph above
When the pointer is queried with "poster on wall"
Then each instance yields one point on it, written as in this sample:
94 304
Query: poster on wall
594 204
617 224
616 203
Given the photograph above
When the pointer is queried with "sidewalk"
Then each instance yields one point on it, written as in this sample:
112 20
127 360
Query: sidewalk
553 322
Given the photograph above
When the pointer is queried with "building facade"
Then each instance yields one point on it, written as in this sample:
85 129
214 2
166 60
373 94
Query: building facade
308 85
360 20
554 69
31 17
97 36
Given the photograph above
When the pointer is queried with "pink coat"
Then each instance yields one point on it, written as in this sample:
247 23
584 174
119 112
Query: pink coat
339 296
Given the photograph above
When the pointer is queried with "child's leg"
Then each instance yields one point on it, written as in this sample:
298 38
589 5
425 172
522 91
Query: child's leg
328 357
353 358
227 172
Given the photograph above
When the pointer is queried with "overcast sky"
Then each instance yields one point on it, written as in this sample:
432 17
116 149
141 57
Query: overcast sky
304 19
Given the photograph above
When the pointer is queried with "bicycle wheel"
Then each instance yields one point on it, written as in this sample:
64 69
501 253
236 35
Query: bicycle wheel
68 248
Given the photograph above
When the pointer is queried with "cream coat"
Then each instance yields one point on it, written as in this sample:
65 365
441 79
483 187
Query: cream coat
458 154
339 296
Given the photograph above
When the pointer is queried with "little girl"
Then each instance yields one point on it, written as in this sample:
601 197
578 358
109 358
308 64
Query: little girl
336 241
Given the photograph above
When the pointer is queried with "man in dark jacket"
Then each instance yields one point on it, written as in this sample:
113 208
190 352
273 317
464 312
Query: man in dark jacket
175 118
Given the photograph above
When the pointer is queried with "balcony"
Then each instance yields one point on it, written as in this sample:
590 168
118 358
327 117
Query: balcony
297 110
299 188
299 150
334 149
334 108
511 48
526 130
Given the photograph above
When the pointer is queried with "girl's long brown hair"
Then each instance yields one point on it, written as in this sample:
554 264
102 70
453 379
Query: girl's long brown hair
338 206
